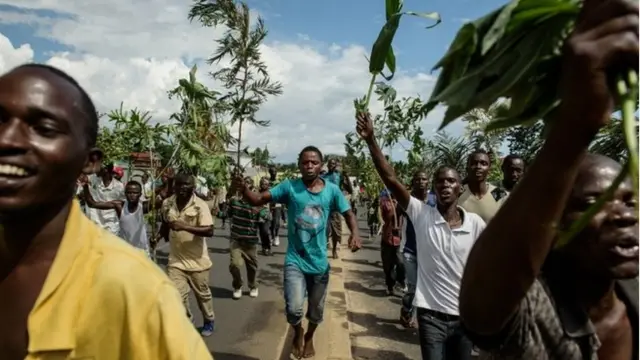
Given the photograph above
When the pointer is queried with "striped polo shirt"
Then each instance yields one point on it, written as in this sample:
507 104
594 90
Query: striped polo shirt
244 220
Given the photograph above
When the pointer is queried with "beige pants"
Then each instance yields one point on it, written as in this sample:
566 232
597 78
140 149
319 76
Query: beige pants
199 282
243 254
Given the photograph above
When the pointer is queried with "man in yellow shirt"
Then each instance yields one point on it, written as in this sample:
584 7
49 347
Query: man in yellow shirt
70 290
190 223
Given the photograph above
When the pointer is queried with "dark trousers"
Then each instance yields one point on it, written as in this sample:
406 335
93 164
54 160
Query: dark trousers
441 336
265 240
275 221
391 265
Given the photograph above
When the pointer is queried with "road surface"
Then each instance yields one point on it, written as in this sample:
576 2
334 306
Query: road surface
246 329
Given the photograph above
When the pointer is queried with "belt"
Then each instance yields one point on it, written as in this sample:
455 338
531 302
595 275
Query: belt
442 316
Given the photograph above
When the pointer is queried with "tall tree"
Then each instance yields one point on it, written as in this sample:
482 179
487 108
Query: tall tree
246 77
525 141
610 141
200 138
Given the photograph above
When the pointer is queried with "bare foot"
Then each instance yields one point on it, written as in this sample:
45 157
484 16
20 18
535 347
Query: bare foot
335 254
309 351
298 345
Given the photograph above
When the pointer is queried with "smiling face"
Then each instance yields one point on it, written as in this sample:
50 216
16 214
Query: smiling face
44 142
608 246
447 186
478 167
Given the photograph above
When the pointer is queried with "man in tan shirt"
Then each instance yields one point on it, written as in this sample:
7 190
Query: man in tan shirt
476 197
189 223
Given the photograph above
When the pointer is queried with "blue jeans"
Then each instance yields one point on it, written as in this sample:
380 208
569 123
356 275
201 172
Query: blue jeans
442 337
297 286
411 278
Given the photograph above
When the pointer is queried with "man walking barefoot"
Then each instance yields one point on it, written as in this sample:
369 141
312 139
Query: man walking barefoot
309 200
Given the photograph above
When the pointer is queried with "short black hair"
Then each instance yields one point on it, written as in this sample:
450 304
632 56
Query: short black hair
443 168
184 177
86 104
511 157
134 183
310 148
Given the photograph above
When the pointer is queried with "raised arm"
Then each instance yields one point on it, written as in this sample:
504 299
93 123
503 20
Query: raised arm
385 170
508 255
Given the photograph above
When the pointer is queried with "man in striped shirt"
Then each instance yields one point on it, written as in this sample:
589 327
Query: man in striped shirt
244 241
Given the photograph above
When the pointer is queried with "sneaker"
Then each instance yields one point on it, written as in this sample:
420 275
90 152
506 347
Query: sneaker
207 328
276 241
253 292
237 293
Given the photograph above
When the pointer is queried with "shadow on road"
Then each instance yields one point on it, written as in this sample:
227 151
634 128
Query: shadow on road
377 264
381 328
221 293
374 354
226 356
219 250
356 286
270 278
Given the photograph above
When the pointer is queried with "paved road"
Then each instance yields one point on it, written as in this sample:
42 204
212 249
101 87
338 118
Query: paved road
246 329
376 333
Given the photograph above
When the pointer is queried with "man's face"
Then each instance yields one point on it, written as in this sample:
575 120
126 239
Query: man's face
264 184
309 165
145 178
608 246
420 181
184 187
447 186
512 170
332 165
43 140
478 167
132 193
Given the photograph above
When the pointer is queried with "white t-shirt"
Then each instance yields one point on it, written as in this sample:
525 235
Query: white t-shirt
107 219
442 254
133 228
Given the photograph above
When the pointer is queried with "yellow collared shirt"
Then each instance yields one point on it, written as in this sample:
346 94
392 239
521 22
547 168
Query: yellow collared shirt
103 299
188 252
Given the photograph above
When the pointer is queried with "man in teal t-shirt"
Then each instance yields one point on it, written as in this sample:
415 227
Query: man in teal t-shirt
309 202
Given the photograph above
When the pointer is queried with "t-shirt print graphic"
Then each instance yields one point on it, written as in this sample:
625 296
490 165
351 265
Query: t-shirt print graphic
309 223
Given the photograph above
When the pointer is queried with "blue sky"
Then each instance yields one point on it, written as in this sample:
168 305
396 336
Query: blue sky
102 43
359 21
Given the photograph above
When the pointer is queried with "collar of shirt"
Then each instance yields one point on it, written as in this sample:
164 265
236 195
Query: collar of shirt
466 227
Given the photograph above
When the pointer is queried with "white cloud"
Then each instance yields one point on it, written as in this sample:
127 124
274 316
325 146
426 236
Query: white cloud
135 51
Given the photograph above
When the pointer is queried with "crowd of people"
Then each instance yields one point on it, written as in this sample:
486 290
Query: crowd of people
479 264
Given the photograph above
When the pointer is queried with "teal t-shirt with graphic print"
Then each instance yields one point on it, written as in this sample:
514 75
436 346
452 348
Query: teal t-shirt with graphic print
308 214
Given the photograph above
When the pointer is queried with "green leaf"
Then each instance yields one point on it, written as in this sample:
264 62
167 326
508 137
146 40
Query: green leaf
499 26
382 52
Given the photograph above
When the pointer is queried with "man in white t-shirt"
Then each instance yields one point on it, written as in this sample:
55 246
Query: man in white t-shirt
445 235
104 188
